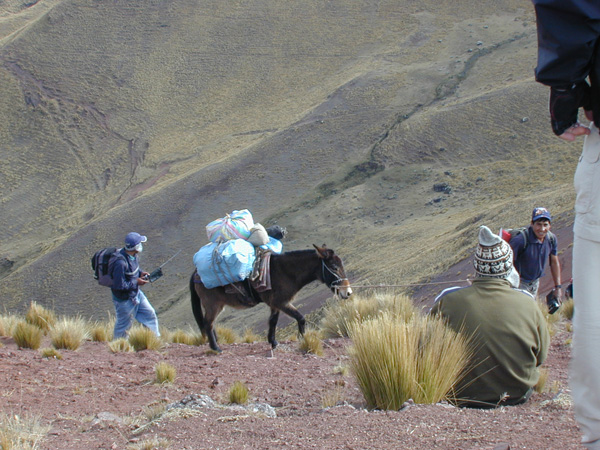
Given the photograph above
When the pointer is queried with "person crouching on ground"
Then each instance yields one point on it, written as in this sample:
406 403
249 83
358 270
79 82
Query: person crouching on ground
129 300
510 337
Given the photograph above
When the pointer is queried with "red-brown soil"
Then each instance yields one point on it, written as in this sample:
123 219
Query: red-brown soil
95 399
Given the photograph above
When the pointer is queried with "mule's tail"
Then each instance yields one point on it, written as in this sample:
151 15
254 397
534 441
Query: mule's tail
196 304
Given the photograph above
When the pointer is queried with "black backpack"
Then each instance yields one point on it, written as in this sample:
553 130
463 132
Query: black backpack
102 262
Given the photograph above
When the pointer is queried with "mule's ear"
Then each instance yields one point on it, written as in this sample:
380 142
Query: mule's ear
323 252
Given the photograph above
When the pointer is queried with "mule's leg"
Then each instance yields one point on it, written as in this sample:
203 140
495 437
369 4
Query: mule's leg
293 312
273 318
212 311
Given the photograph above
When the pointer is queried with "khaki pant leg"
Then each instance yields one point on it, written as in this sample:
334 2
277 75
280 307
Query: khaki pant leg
585 362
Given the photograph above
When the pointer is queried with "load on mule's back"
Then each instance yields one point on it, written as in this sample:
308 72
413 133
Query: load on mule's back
275 278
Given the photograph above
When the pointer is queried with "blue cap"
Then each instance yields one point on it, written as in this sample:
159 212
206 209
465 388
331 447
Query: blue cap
132 239
541 213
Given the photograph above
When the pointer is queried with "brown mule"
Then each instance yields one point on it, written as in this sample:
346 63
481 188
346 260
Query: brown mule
290 272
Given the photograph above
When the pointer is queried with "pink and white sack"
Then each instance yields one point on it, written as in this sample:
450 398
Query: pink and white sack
237 225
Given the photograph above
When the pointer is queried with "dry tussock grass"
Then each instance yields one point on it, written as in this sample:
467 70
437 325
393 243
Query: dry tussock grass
250 336
50 352
101 331
21 432
40 316
153 443
120 345
340 316
142 338
394 361
69 333
238 393
7 324
226 335
164 373
567 309
311 342
333 397
190 337
27 335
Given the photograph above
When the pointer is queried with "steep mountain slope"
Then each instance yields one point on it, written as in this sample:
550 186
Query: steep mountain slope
332 118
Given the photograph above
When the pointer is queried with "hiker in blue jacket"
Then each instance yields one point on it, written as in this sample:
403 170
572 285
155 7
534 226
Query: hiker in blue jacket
569 58
533 249
129 300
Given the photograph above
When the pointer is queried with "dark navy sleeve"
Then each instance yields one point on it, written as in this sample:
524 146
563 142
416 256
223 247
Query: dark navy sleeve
120 280
567 32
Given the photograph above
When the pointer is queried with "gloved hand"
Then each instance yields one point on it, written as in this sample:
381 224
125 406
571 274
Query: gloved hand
565 103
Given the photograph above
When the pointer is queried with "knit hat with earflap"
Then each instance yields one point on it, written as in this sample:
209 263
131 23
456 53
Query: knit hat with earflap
493 256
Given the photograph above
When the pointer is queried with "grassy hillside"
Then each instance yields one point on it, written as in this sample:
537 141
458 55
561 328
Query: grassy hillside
334 119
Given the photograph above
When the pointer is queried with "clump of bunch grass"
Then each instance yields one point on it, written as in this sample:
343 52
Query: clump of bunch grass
311 343
100 331
166 335
333 397
143 338
21 432
164 373
27 335
543 379
153 443
50 352
250 336
341 369
340 316
182 337
567 309
154 411
120 345
395 360
69 333
551 319
226 335
238 393
7 324
41 317
198 338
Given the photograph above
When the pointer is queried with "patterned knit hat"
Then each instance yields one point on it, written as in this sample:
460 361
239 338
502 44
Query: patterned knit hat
493 256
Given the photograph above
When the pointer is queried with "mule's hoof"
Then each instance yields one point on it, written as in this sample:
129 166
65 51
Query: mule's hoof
274 344
212 351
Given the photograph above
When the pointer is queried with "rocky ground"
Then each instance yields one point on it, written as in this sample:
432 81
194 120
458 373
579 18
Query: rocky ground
95 399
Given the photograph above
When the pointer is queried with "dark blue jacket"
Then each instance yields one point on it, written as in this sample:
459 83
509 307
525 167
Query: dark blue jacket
568 32
125 272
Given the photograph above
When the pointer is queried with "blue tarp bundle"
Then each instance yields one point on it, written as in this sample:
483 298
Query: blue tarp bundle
219 264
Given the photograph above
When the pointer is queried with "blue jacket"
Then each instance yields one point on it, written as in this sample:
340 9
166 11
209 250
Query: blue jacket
125 272
567 34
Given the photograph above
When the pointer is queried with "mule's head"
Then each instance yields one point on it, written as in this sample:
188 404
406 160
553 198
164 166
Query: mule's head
332 272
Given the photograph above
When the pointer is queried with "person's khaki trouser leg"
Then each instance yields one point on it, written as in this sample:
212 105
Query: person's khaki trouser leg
585 362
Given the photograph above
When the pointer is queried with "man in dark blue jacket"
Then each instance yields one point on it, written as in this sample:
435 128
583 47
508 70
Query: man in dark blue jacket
569 62
129 300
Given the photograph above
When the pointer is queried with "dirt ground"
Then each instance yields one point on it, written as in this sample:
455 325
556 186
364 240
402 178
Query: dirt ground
94 399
